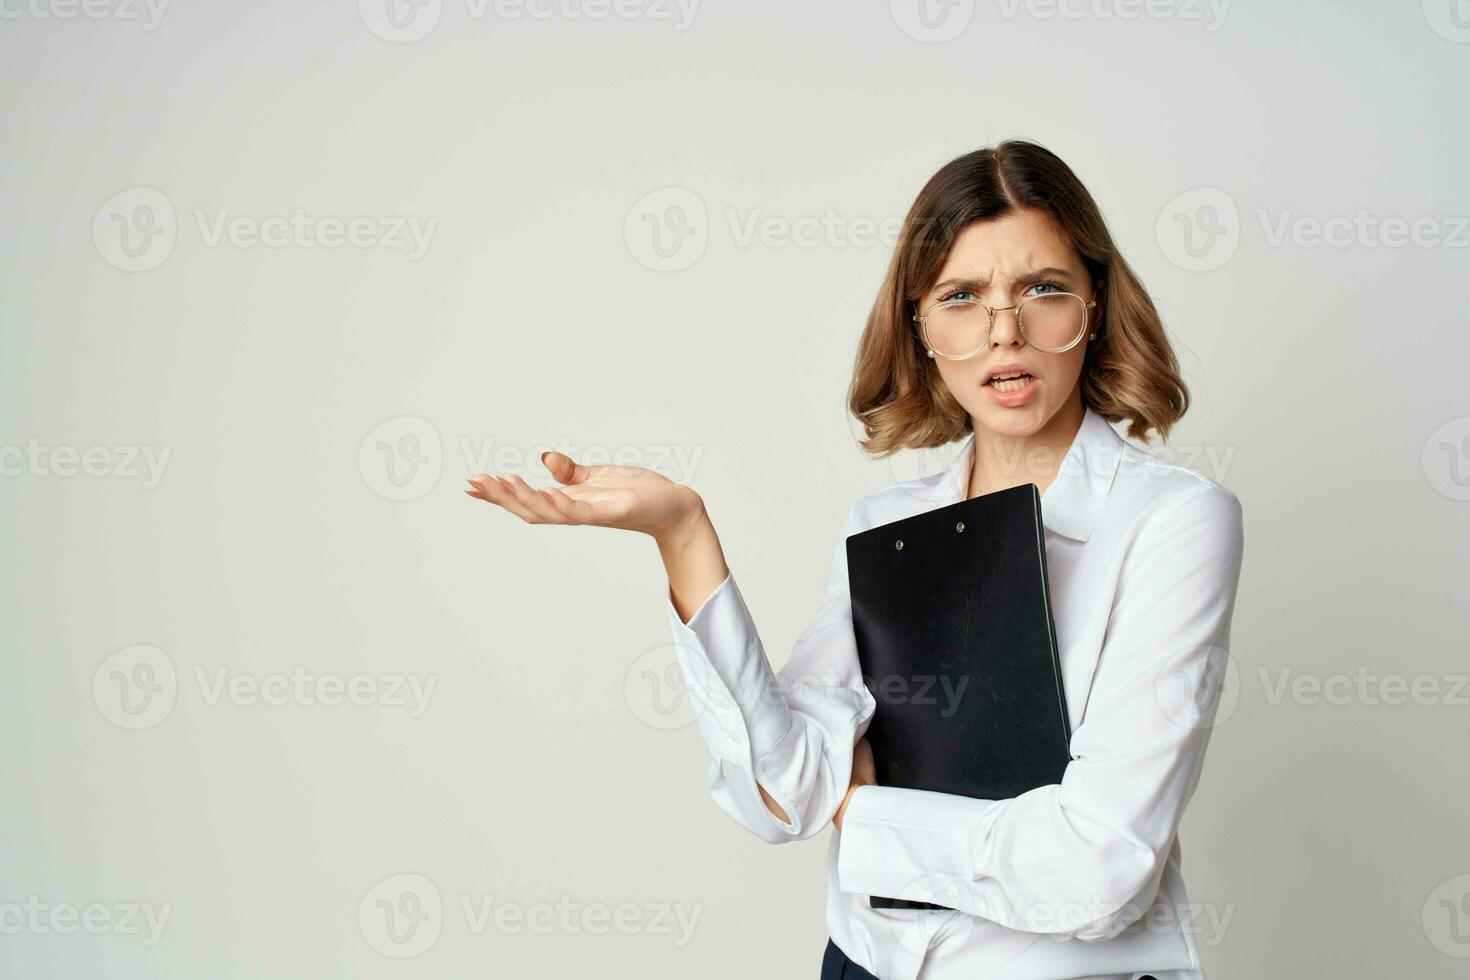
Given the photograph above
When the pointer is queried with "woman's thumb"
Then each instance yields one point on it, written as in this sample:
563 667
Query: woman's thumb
559 465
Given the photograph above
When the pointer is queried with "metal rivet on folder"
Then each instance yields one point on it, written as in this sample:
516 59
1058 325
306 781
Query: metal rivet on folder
898 544
960 526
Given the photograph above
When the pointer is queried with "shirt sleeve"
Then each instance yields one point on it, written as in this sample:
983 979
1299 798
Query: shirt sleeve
792 732
1083 858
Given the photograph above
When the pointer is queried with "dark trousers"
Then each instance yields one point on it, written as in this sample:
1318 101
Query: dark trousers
836 966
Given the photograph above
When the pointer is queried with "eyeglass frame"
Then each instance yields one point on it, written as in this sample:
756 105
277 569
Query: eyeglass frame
1087 308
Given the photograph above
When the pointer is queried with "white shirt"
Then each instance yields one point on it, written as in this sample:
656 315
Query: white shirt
1080 879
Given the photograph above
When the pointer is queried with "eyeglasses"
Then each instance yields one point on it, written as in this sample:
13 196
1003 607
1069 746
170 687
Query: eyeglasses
1050 322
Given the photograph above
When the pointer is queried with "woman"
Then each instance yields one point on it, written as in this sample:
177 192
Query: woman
1007 317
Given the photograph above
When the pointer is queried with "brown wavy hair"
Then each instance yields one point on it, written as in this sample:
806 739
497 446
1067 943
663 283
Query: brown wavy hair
1130 373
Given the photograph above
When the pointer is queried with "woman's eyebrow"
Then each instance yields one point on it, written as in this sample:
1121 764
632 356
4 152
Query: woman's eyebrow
967 282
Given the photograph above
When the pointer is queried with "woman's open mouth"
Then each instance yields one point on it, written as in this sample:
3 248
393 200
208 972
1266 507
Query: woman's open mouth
1010 381
1011 389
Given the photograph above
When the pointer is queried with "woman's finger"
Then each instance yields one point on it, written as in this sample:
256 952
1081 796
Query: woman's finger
500 492
571 511
532 500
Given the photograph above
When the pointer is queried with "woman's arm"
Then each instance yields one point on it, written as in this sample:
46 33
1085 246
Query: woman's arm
695 564
1084 858
781 745
796 731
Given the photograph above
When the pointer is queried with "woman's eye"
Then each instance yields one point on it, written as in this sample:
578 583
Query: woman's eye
960 295
1043 285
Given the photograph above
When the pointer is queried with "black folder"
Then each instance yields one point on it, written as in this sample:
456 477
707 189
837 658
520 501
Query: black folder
951 610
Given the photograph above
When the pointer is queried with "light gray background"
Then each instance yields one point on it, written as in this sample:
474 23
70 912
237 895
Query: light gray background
554 762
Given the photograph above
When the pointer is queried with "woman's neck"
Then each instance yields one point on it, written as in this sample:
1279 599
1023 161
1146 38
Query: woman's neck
1003 461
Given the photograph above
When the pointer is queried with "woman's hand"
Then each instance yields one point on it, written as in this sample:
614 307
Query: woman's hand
864 773
629 497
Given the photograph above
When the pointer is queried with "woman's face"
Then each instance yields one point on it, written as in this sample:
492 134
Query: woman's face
1002 261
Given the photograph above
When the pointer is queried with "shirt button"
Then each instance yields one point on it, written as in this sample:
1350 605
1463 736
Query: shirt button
737 738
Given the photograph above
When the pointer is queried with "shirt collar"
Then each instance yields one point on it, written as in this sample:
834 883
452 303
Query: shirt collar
1073 502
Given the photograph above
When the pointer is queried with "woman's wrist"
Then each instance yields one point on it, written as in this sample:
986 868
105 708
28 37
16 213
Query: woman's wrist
686 530
693 559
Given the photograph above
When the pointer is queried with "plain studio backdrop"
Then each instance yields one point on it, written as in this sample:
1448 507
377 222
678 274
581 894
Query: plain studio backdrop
279 700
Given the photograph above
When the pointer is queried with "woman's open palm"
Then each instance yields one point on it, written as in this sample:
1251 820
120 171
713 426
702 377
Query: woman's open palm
629 497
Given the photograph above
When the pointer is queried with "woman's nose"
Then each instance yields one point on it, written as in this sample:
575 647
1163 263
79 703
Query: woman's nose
1005 327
